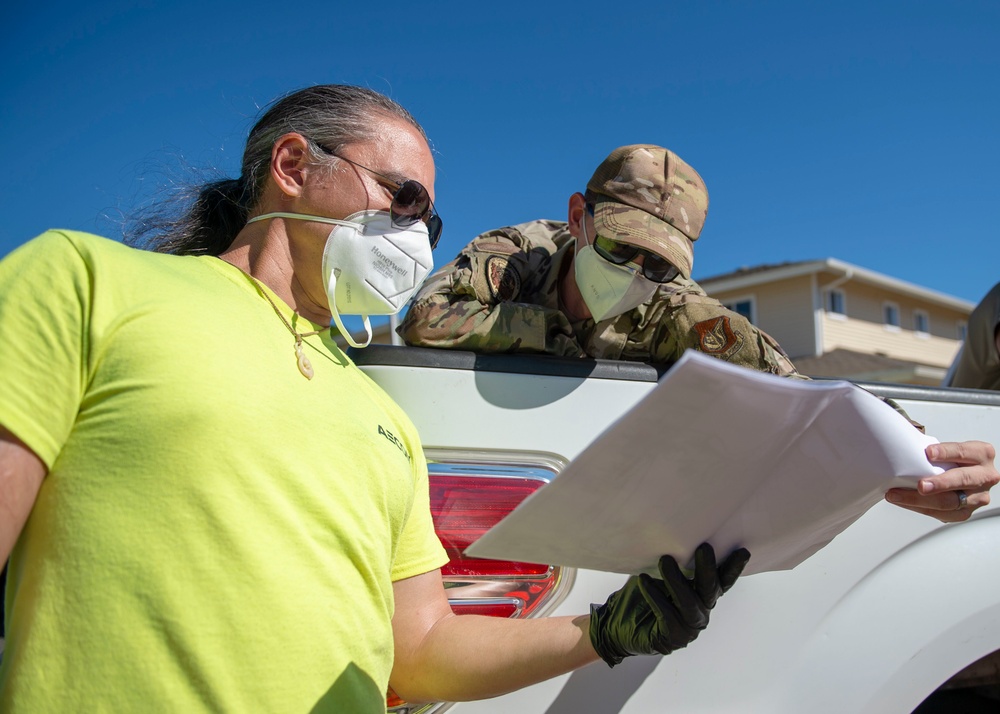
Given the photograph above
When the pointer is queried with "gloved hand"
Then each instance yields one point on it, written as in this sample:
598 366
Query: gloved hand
648 615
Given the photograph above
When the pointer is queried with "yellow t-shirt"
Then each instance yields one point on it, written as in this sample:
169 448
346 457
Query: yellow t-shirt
215 532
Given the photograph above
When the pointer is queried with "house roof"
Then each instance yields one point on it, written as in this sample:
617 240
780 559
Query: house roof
748 277
860 366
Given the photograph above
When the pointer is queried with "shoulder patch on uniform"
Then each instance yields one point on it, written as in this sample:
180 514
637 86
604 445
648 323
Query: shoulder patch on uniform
504 281
717 337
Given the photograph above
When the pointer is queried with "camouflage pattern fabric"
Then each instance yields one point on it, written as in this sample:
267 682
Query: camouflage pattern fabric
501 294
978 365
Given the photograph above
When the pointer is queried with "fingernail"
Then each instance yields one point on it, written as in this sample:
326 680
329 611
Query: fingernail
925 487
892 497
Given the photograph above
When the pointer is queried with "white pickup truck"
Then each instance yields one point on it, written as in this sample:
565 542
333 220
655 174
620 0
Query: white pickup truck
898 614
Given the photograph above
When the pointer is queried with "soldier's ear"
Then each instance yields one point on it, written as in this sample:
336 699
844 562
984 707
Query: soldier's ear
577 213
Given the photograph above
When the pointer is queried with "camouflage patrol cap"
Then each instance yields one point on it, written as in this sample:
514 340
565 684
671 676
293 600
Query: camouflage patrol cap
647 196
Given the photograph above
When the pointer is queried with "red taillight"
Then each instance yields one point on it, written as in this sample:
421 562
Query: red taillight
466 506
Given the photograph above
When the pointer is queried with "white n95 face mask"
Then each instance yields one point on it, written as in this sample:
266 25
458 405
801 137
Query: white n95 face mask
608 289
370 267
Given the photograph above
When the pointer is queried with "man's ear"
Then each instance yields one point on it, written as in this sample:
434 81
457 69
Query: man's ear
290 162
577 212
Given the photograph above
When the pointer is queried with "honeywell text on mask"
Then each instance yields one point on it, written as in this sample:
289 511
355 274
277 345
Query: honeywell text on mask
386 265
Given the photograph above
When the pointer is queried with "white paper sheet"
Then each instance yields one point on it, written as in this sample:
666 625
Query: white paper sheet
722 454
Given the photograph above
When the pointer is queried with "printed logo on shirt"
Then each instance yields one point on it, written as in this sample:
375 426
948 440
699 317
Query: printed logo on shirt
394 440
717 337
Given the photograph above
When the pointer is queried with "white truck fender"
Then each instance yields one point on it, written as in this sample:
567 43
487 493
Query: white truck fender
937 597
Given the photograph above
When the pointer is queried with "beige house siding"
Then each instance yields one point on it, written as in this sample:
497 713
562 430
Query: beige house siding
875 338
863 329
783 310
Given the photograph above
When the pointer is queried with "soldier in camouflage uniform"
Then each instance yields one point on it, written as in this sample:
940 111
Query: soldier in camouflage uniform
533 288
522 289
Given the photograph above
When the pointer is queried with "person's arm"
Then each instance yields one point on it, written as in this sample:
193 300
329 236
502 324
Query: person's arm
938 496
21 474
686 318
440 656
450 320
477 302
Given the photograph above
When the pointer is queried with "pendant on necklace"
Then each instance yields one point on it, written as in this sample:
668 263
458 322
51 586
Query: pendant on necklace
305 366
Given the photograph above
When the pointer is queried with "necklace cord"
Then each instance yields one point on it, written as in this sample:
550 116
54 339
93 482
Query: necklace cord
304 365
277 311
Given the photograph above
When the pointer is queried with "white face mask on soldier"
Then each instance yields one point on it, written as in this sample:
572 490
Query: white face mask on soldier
608 289
370 266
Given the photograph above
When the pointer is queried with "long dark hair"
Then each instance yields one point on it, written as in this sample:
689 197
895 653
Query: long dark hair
206 219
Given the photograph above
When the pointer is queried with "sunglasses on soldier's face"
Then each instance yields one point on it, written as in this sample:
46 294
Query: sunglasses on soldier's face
653 268
410 201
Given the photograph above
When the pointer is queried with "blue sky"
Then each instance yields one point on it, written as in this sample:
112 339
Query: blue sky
863 131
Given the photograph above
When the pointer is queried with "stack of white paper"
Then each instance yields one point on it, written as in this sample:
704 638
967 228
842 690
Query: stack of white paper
722 454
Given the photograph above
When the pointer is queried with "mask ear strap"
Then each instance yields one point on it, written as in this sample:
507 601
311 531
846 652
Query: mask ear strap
583 227
303 217
332 292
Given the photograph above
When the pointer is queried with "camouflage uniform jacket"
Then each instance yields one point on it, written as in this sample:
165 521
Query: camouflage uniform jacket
502 294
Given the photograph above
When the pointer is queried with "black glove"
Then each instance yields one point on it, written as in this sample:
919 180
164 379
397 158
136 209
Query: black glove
648 615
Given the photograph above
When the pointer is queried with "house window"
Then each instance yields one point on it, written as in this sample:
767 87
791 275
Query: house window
921 322
835 302
962 327
744 307
890 315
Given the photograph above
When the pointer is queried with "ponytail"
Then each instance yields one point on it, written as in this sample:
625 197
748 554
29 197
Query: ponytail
201 221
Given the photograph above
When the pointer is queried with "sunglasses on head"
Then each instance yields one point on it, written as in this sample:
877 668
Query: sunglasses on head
410 201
